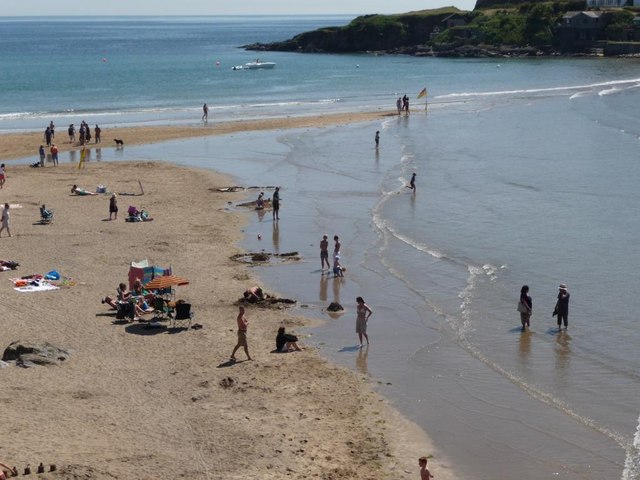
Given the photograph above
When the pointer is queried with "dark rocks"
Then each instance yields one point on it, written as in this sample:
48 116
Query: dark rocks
335 307
28 355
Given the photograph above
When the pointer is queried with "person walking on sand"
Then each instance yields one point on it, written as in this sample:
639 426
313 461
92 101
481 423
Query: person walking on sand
525 307
72 133
42 154
5 220
243 323
324 253
275 204
425 474
562 307
97 131
3 175
113 206
377 138
205 112
363 313
336 246
48 136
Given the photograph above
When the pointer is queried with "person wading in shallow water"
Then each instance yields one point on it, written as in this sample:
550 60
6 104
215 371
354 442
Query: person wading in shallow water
562 307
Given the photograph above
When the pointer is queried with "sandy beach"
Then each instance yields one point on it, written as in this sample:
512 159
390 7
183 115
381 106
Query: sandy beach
17 145
138 403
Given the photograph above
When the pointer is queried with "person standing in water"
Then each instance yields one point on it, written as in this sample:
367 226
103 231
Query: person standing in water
525 307
324 253
412 183
363 313
205 112
377 138
275 204
562 307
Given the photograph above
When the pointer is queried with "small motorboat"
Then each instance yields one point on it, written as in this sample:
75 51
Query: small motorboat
237 67
258 64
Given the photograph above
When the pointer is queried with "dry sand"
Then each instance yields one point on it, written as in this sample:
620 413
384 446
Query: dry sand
18 145
133 403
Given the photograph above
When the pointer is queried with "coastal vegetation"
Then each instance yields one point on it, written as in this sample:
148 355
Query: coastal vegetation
527 28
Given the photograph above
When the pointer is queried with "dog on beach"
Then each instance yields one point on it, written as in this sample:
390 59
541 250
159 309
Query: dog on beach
119 143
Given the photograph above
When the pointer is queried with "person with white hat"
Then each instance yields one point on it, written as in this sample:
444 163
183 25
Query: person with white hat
562 307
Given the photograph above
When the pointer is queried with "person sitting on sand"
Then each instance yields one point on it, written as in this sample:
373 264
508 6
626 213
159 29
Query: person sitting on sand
260 201
122 295
7 470
81 191
253 294
337 268
286 342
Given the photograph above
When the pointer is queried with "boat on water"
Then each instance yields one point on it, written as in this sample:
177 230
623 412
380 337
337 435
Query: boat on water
258 64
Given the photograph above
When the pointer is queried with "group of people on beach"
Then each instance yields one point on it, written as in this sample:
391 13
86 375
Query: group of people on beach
561 309
84 133
402 104
337 269
49 137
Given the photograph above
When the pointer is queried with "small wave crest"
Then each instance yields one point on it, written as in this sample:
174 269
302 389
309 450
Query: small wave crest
632 461
547 90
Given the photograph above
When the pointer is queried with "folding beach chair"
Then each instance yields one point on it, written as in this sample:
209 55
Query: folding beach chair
126 311
161 309
183 315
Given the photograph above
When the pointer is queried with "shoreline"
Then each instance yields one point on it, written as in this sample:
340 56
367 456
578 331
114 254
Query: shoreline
345 386
25 144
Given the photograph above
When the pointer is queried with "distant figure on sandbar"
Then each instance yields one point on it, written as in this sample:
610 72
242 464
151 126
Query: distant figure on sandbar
562 307
205 112
525 307
377 138
275 204
42 154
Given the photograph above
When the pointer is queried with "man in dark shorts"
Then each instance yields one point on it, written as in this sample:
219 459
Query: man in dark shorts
324 253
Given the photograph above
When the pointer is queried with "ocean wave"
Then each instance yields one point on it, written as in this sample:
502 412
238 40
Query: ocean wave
566 88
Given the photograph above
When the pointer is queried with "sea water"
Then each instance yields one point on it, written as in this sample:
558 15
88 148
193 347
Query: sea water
526 174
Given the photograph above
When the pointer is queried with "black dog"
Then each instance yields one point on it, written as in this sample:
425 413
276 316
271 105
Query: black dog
119 143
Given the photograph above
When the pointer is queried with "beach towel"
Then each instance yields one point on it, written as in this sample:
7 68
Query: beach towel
42 287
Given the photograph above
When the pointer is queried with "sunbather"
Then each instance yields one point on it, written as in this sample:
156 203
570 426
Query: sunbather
253 294
122 296
81 191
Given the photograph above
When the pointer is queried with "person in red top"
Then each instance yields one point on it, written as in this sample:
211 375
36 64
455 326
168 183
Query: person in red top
243 323
54 155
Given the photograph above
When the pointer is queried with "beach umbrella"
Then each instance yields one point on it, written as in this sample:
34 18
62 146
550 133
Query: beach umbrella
165 281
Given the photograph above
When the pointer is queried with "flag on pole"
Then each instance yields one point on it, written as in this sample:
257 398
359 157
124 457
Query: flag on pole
423 93
83 155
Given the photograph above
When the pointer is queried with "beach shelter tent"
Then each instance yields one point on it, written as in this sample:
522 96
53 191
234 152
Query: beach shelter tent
145 272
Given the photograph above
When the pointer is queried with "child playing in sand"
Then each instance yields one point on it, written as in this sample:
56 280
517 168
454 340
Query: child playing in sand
425 474
337 268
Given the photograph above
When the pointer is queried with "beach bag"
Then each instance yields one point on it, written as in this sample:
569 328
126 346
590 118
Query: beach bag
522 308
52 275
